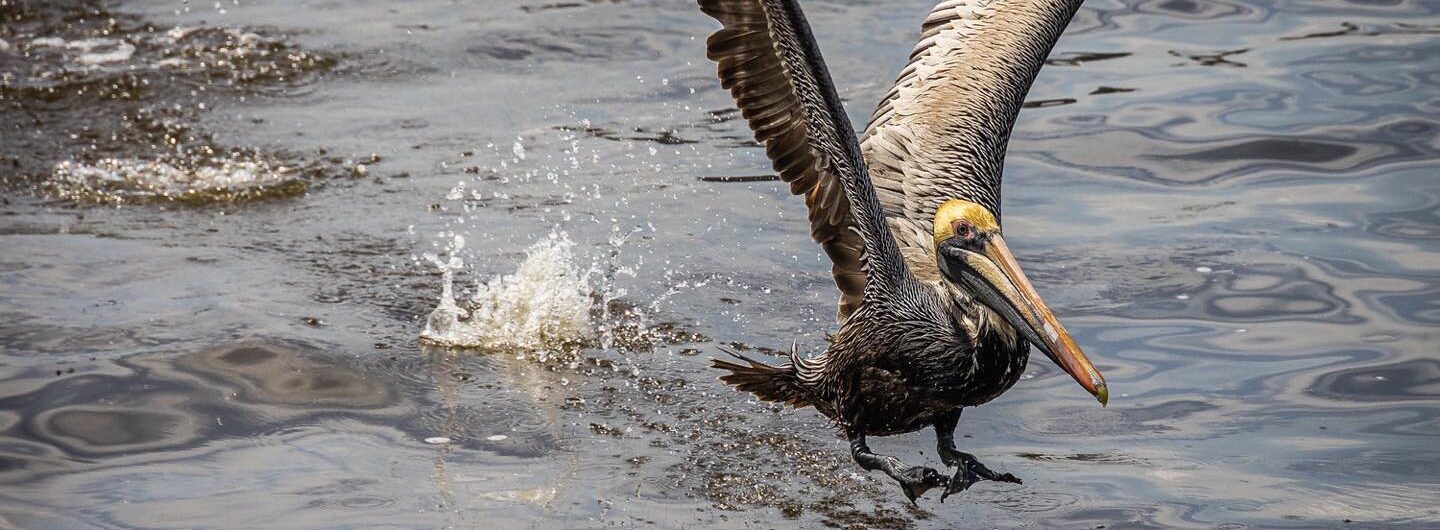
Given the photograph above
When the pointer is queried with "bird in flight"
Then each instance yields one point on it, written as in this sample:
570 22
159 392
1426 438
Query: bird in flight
935 314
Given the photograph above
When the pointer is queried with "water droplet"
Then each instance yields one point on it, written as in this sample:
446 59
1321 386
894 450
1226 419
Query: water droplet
544 303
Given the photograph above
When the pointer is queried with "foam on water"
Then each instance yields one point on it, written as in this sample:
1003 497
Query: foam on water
241 56
119 180
234 53
542 308
91 51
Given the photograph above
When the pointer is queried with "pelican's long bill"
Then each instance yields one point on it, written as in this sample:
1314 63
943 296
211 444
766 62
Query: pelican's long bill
994 277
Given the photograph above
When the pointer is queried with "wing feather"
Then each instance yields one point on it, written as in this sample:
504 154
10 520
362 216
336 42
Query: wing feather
941 131
771 66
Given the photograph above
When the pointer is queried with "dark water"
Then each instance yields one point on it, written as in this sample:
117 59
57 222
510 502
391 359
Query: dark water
1233 205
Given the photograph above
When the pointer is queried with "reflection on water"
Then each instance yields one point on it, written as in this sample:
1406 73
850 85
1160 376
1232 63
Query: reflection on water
1418 379
1232 203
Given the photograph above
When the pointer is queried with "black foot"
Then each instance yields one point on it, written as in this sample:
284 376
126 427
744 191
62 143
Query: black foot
918 480
968 471
914 480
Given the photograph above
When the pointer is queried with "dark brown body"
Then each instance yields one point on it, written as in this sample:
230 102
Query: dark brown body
881 377
884 400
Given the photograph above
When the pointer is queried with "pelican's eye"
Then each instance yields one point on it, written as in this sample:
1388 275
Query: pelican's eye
963 229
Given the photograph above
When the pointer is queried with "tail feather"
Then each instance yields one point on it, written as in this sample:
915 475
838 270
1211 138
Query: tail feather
770 383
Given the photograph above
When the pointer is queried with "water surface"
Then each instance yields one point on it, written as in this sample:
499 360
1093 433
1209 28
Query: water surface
217 216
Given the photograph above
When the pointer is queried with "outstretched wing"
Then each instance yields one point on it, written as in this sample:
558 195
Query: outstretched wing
771 65
941 131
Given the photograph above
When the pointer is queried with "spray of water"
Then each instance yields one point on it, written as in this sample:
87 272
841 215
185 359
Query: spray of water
543 308
554 305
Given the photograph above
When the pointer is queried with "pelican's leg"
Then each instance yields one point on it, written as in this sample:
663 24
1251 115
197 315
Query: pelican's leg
968 470
914 480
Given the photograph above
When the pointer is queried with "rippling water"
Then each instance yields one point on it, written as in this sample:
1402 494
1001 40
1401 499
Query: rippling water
221 223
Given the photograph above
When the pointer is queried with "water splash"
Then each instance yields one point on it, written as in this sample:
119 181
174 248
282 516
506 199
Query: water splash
542 308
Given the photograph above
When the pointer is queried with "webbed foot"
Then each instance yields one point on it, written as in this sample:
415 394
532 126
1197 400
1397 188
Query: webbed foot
968 471
918 480
915 481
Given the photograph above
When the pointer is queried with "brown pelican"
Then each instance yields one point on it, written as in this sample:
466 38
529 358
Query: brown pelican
935 314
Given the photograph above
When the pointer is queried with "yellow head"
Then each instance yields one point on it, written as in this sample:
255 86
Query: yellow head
972 255
949 215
